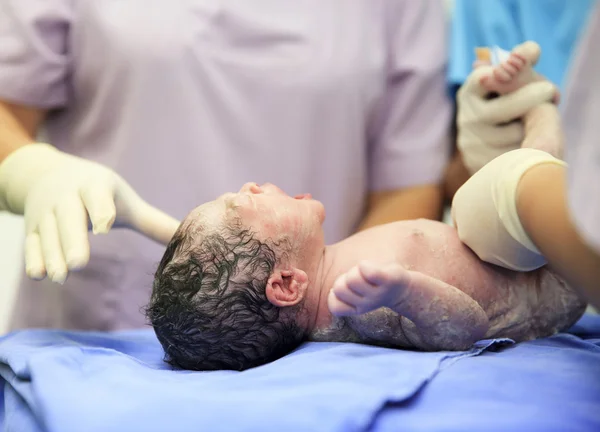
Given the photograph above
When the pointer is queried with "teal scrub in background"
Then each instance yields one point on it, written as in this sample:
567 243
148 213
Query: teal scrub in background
554 24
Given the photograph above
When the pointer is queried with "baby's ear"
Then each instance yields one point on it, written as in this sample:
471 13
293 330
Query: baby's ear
287 287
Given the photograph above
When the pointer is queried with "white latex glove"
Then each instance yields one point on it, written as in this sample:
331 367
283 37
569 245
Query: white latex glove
56 193
484 211
485 126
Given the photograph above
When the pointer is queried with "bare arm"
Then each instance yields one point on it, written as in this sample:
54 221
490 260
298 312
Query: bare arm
441 316
456 173
403 204
18 126
543 210
455 176
444 317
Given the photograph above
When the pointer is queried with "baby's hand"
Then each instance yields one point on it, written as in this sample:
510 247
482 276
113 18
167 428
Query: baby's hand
367 287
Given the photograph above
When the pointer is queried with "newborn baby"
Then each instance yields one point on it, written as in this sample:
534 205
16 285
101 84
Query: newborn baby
247 278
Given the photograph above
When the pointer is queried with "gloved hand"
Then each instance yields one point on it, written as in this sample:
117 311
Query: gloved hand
56 193
484 211
485 126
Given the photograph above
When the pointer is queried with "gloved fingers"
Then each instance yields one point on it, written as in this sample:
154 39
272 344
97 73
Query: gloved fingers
99 201
515 105
34 258
473 86
56 267
72 222
153 223
506 136
137 214
475 161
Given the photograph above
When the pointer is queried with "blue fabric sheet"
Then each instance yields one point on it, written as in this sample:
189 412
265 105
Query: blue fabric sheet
547 385
75 381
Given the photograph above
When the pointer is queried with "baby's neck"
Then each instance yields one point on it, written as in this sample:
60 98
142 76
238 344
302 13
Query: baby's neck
333 263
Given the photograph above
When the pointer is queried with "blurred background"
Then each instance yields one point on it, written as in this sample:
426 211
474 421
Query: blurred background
11 263
11 254
11 251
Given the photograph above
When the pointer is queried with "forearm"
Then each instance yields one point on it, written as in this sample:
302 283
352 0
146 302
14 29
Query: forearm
543 210
445 317
406 204
455 176
18 127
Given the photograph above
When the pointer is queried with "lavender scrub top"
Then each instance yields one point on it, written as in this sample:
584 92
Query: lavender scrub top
189 99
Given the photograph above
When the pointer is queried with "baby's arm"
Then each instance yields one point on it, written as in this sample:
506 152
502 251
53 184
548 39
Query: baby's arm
445 318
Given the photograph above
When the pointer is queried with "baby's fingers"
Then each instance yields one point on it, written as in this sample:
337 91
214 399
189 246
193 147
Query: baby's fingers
338 307
372 273
343 300
381 275
355 282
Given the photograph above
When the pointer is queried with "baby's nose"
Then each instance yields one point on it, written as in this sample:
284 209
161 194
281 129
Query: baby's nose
251 187
270 187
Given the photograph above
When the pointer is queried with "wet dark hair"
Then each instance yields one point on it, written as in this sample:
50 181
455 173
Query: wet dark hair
208 305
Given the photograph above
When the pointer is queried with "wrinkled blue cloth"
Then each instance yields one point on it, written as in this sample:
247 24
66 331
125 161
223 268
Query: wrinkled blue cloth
547 385
78 381
555 24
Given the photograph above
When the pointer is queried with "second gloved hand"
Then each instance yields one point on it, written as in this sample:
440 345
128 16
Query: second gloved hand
486 127
484 211
61 197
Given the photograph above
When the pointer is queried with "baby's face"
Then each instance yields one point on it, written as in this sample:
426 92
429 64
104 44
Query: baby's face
271 214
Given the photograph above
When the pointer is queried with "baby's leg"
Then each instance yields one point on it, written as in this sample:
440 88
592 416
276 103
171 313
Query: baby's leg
513 73
543 130
559 305
441 316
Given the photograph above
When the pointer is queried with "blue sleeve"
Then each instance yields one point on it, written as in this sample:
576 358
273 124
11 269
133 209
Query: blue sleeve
554 24
478 23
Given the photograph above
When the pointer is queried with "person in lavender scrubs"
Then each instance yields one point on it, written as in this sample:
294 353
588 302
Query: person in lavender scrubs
163 105
523 210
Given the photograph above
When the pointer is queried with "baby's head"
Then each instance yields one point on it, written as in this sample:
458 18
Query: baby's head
233 289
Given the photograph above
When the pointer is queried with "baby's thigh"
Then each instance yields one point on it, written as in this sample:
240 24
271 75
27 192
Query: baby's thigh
543 130
559 305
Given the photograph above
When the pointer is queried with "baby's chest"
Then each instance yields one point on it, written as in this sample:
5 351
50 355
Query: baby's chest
436 251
